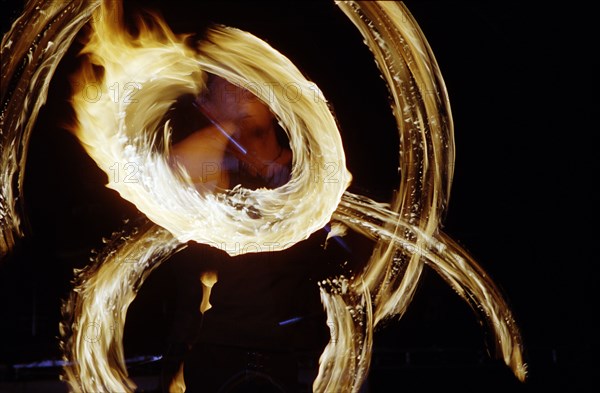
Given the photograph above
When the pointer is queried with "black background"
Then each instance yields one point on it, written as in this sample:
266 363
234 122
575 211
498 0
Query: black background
521 82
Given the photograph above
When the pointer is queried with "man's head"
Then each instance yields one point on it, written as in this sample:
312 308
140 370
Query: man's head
226 102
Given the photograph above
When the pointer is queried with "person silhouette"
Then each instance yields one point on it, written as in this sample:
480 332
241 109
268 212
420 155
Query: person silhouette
264 311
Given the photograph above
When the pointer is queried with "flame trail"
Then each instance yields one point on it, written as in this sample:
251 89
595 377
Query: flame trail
29 55
142 76
94 315
164 68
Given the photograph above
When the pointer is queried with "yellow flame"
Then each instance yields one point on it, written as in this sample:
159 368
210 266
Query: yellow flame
208 279
98 308
121 135
177 384
125 87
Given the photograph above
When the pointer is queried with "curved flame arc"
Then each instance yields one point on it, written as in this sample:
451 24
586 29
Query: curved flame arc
122 125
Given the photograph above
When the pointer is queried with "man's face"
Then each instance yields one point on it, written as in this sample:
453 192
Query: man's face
230 103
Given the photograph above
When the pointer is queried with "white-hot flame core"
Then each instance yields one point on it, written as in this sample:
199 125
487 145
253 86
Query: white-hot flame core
125 133
120 128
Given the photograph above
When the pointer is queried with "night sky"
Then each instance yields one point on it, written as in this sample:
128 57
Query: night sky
520 82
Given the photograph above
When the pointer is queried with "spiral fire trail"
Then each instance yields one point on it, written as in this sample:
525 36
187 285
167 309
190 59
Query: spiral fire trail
157 67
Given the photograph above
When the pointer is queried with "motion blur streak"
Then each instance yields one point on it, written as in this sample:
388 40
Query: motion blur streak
141 77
